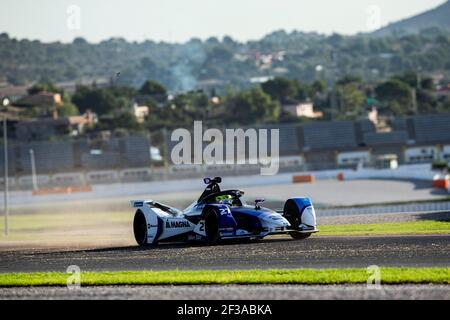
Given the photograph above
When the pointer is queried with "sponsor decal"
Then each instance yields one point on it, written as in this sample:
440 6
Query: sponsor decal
226 234
177 224
274 217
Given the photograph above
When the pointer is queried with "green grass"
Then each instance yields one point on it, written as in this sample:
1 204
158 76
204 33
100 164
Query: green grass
397 228
298 276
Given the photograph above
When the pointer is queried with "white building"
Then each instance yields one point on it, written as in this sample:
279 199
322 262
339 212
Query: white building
302 109
140 112
421 154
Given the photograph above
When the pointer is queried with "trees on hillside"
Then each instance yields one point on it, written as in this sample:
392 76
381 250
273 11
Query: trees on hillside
100 101
251 106
182 66
348 99
408 93
281 89
396 95
155 90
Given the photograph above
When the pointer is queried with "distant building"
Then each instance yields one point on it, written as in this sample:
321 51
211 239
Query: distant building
302 109
41 99
140 112
372 115
14 92
44 129
79 123
11 112
443 92
260 79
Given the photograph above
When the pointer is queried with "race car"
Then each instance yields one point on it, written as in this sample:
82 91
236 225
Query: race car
218 216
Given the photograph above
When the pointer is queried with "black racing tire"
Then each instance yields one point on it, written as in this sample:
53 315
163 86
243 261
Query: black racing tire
299 236
292 214
140 229
212 227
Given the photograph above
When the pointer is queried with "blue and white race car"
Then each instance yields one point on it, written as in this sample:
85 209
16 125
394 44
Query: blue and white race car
220 215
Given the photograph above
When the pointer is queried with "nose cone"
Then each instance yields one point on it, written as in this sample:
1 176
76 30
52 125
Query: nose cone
275 220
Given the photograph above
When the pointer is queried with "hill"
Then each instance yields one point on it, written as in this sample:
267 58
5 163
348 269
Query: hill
223 63
435 18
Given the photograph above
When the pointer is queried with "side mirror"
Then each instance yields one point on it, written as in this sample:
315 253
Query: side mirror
207 180
258 201
218 179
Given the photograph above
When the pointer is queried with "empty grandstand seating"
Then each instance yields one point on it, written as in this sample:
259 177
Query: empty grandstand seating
432 128
317 142
329 135
49 157
137 151
366 126
399 124
289 142
380 138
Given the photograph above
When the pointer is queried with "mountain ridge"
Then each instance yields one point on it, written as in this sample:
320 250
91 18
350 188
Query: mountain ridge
438 17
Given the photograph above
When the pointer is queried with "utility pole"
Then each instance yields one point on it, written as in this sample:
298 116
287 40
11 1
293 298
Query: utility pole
419 78
33 170
414 100
5 144
166 153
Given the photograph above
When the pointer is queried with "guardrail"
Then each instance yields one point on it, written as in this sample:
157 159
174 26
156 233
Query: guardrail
402 208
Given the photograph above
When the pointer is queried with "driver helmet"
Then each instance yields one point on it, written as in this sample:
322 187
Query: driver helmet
225 199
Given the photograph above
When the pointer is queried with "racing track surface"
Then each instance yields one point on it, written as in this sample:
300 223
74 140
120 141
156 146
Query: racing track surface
275 252
232 292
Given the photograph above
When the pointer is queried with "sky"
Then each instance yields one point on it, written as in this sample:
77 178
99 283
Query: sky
181 20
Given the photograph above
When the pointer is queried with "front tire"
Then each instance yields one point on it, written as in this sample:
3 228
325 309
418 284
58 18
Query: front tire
299 236
140 229
212 227
292 214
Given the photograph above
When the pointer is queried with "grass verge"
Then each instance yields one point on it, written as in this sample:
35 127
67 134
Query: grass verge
396 228
298 276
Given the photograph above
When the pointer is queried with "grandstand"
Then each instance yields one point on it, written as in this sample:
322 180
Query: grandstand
289 138
319 146
363 127
136 151
399 124
329 135
385 138
53 156
433 128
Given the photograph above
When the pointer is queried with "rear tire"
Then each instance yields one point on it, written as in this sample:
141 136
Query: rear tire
212 227
140 229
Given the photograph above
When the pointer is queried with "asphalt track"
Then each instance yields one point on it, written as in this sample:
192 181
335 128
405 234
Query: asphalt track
232 292
275 252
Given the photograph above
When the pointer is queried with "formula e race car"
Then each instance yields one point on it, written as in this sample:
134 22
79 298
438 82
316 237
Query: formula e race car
220 215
